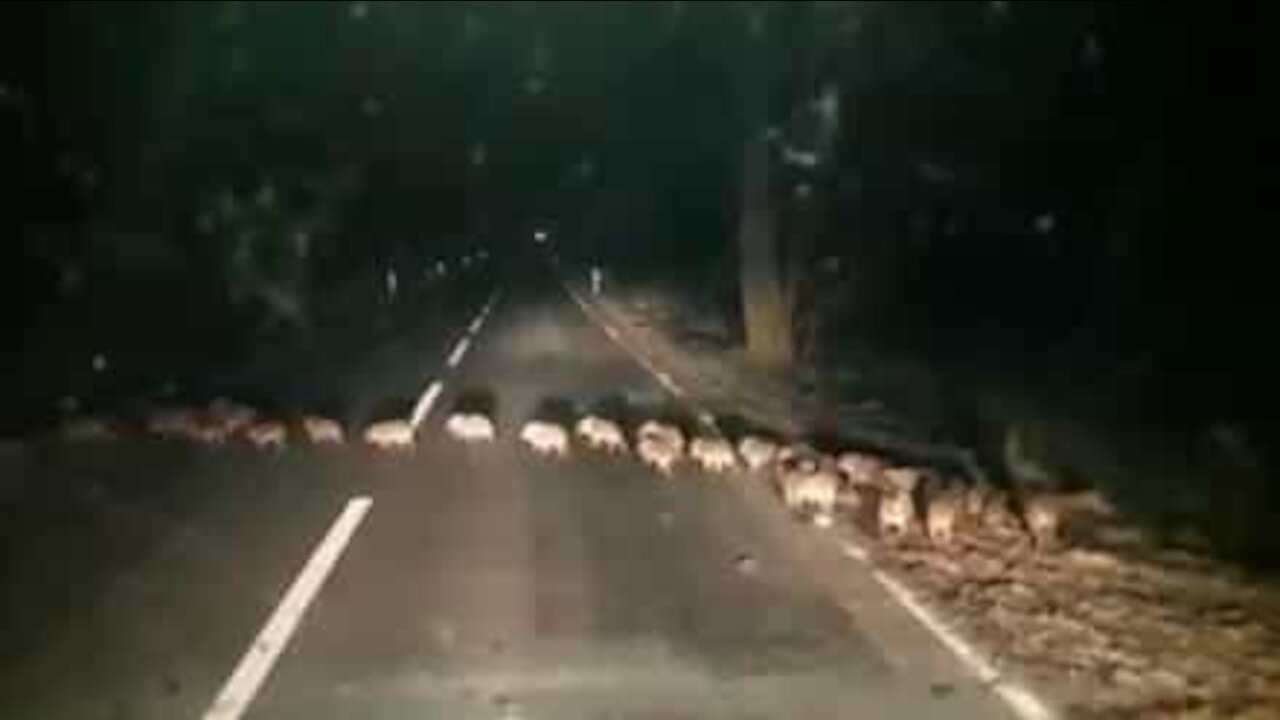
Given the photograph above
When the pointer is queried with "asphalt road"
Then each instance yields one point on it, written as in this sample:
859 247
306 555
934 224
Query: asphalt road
482 582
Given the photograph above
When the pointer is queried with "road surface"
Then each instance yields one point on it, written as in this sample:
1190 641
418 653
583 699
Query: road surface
481 582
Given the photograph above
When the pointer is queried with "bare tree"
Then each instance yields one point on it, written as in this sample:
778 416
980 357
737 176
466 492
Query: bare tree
765 307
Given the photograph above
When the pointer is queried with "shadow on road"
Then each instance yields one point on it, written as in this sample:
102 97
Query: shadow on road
558 410
618 409
391 408
476 401
735 427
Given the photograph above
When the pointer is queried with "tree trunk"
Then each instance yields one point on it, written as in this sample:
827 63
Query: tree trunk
766 312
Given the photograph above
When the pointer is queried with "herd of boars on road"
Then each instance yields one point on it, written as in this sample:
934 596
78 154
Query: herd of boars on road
904 501
901 500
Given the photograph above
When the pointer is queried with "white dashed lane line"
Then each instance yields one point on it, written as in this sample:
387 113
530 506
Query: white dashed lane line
459 352
423 408
243 685
483 315
429 396
240 689
669 383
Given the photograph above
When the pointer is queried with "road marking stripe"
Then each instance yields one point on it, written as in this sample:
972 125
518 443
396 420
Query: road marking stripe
985 672
663 378
1023 702
456 356
1019 699
483 315
855 552
243 685
432 393
425 402
670 384
484 312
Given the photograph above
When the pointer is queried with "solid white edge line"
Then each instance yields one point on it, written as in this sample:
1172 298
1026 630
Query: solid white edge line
243 685
976 663
663 378
459 350
669 383
854 552
425 402
1023 702
1019 699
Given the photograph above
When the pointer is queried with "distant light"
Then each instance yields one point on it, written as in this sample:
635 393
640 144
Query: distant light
585 169
535 85
676 12
540 236
358 11
1045 223
1092 51
479 154
393 282
827 103
70 278
266 197
99 362
471 26
227 204
89 177
933 172
371 106
800 158
919 223
441 268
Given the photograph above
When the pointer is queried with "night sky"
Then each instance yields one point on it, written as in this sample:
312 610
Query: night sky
1010 179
